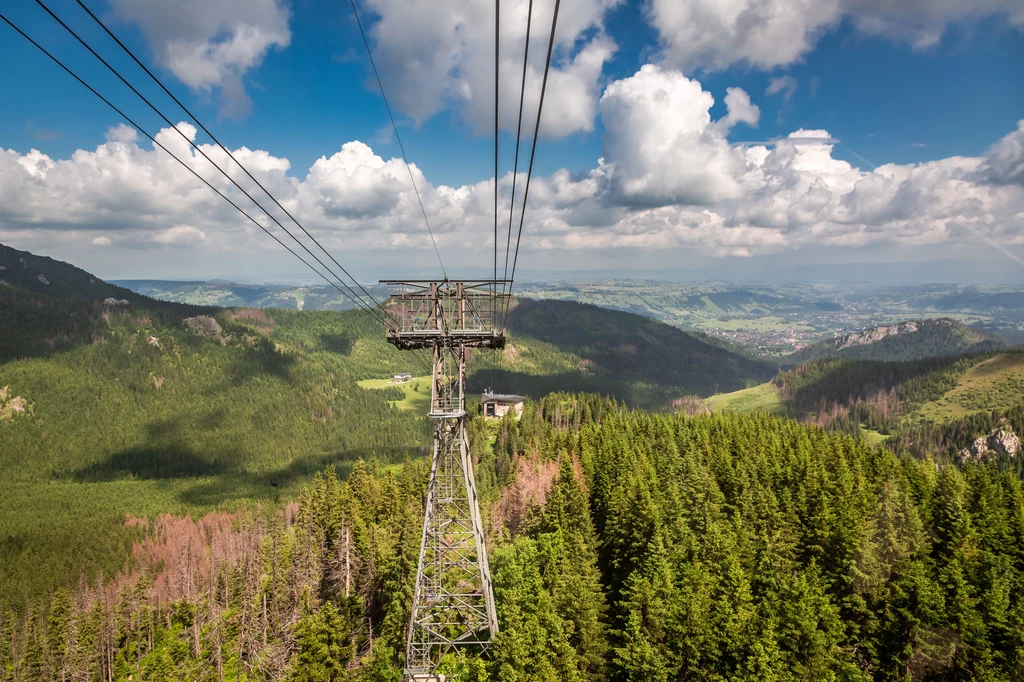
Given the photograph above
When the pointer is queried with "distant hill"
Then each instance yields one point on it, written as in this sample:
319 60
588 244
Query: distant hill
746 301
972 300
231 294
553 345
44 275
912 340
565 346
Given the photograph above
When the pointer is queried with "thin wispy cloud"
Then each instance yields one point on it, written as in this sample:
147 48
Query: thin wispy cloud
815 84
784 87
41 134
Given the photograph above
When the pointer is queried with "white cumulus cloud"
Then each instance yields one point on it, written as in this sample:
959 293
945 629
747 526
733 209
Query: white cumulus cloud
1004 161
765 34
180 234
211 44
670 180
661 143
439 54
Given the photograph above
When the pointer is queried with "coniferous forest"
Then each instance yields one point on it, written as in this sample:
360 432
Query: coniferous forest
625 546
206 494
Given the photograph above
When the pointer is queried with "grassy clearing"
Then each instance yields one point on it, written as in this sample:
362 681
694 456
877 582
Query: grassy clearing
762 398
872 437
994 383
416 390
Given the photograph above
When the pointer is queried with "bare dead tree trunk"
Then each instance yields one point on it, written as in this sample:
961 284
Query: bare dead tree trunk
348 564
241 642
220 659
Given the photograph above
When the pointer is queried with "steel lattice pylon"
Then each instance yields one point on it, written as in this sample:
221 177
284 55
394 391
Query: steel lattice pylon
453 604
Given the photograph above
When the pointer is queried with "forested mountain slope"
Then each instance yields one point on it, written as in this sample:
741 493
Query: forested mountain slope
561 345
624 546
44 275
113 409
912 340
935 406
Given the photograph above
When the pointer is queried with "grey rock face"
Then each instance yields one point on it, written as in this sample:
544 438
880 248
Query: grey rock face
1002 441
204 325
876 334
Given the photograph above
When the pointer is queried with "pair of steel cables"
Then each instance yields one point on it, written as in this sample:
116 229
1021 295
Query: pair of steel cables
508 277
362 298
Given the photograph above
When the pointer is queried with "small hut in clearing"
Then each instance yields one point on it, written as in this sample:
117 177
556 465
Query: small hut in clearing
498 404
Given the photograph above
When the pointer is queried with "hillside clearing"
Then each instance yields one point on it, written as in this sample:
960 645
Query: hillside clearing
416 390
994 383
761 398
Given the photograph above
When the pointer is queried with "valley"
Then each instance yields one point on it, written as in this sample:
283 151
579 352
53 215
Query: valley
130 409
767 320
142 435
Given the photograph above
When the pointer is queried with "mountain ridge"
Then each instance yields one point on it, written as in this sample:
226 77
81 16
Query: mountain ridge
902 341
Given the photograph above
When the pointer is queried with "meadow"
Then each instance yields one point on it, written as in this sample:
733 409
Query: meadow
415 393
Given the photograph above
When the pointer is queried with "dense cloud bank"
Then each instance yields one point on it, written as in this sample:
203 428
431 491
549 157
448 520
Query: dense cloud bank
669 178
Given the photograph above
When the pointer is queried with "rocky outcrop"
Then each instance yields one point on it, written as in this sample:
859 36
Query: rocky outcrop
1002 441
11 406
204 325
115 302
875 334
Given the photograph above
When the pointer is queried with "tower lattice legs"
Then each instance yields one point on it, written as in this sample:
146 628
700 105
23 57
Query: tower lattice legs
453 604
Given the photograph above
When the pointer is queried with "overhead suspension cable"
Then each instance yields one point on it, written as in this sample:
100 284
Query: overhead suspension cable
184 165
519 132
363 305
533 152
494 284
199 123
380 84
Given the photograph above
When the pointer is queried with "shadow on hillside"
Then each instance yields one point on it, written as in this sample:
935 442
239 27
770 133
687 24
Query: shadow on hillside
35 325
175 461
151 462
164 455
258 361
282 481
633 358
337 343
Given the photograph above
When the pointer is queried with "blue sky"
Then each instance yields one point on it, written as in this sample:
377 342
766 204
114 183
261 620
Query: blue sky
884 99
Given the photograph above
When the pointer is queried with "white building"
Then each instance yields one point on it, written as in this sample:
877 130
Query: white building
498 404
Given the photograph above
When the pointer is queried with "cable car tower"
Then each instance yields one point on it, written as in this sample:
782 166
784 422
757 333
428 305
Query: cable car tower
453 604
